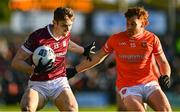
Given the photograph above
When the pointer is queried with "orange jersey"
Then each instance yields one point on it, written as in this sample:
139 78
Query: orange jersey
134 57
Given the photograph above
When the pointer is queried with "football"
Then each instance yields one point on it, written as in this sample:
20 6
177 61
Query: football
44 52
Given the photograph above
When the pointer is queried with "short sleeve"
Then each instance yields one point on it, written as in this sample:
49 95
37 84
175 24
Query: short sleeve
108 47
30 44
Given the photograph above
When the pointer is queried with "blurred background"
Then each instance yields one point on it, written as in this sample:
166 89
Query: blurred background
95 20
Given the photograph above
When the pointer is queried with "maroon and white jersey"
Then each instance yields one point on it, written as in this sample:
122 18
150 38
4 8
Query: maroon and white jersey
44 36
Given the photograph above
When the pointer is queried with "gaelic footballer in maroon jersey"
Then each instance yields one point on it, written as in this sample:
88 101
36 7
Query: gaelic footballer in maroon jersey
49 82
134 48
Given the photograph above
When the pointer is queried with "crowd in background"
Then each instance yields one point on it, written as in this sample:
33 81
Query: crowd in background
100 78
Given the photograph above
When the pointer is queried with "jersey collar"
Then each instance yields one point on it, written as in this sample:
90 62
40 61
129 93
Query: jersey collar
49 30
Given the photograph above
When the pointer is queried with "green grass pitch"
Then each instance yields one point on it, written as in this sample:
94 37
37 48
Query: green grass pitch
111 108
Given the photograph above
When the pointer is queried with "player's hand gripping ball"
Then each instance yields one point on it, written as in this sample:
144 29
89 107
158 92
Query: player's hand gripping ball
43 58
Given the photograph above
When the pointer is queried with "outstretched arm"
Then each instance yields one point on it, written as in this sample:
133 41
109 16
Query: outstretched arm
86 51
86 64
73 47
96 59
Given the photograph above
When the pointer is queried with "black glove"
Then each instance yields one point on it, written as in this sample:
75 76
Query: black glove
88 50
40 68
112 64
164 81
71 72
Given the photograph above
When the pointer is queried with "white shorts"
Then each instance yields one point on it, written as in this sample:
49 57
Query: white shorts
142 90
50 89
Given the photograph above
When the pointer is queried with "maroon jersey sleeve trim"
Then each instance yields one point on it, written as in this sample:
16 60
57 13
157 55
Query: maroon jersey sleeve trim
25 49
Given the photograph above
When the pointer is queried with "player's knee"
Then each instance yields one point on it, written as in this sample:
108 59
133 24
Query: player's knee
73 107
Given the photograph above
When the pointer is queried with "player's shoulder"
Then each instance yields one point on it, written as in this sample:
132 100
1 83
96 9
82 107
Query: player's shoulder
39 32
150 34
115 38
118 35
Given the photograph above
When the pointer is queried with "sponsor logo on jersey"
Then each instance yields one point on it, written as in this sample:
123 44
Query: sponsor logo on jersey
133 57
122 43
60 54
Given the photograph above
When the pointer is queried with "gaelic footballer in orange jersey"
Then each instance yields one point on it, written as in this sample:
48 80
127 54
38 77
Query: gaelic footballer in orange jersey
134 50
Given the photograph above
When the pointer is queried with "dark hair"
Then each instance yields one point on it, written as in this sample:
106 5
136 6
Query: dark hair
62 13
140 12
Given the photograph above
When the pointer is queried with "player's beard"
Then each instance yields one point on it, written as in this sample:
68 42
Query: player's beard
132 33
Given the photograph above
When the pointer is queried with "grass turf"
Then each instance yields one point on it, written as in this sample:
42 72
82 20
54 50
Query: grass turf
111 108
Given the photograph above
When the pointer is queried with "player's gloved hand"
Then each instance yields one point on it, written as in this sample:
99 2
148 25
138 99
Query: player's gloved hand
71 72
164 81
88 50
40 68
